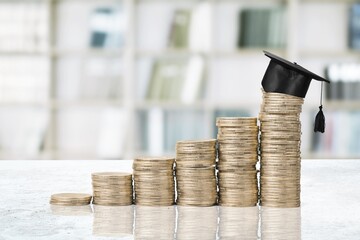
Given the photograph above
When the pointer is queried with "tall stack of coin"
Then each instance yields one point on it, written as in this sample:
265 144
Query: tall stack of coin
154 183
112 188
238 155
280 150
155 222
113 221
195 173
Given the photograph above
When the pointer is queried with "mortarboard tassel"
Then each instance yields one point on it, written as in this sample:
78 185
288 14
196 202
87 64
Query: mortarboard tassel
320 118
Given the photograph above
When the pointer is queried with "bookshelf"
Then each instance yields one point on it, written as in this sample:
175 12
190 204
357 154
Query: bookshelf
80 115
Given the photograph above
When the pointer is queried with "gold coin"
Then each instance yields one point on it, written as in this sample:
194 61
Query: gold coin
70 199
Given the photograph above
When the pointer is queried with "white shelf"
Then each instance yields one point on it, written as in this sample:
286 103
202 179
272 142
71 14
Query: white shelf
201 105
66 103
86 103
239 52
53 155
258 1
328 1
131 54
25 104
243 52
17 156
168 52
21 53
326 156
330 54
170 105
89 52
343 105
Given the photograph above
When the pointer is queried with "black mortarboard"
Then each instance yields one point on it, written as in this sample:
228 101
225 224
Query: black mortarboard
282 76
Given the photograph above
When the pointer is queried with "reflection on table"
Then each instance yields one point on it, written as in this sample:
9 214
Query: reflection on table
280 223
238 223
71 210
185 222
113 221
197 222
155 222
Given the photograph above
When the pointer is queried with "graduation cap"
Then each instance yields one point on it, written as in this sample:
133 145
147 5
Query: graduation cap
282 76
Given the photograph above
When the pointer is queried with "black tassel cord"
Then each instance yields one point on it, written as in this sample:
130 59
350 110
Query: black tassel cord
320 118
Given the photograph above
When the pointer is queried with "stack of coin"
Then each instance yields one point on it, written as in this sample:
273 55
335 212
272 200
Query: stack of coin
113 221
195 173
238 155
197 222
280 150
70 199
238 223
280 223
154 182
155 222
112 188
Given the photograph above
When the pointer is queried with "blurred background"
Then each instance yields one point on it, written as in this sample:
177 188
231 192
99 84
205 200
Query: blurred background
112 79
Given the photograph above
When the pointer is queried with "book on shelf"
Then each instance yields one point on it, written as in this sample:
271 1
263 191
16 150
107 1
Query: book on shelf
155 131
179 32
176 79
345 81
191 28
183 125
201 28
93 79
107 27
354 26
166 73
262 27
160 129
193 80
151 131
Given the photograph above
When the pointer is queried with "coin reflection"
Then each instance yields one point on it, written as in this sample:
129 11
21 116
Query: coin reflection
155 222
280 223
71 210
113 221
197 222
238 223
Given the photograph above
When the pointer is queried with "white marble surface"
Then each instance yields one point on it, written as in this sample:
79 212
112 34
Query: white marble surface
330 207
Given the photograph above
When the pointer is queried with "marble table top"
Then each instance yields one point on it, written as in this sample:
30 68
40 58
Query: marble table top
330 207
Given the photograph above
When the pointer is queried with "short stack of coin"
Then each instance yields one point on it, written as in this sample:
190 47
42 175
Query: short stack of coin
280 150
112 188
154 182
70 199
238 155
195 172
